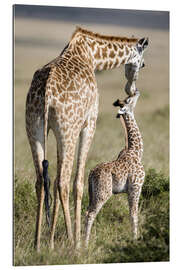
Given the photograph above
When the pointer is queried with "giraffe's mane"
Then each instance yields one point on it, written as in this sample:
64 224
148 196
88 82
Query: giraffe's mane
103 37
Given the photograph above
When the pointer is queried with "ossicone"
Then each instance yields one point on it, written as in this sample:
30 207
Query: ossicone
143 43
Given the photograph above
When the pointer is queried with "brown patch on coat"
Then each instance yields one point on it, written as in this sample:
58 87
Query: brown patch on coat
104 53
127 51
112 54
97 54
105 65
121 53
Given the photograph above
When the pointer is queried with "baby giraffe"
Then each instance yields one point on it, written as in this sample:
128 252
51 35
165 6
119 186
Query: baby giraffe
125 174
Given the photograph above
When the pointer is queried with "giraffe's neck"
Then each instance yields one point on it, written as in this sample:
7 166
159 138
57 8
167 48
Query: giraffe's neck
102 52
135 141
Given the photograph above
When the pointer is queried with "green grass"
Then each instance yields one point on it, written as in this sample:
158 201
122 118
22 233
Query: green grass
153 243
111 240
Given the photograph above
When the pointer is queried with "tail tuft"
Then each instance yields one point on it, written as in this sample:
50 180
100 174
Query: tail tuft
47 198
45 164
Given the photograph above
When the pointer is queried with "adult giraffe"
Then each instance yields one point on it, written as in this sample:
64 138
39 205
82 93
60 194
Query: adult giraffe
63 96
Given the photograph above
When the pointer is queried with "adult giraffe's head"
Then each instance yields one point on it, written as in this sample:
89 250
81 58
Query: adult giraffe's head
134 64
136 58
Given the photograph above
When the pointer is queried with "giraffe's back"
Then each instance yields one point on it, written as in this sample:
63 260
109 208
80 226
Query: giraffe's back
113 177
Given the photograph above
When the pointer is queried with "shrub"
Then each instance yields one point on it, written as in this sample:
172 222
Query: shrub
154 184
153 242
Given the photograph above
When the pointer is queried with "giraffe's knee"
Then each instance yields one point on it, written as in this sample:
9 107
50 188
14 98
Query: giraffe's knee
63 189
134 217
78 190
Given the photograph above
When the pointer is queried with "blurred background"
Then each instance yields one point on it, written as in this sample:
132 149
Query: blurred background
40 34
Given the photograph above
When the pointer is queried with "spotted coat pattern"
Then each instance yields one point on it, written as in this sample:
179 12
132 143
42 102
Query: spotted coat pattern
63 97
125 174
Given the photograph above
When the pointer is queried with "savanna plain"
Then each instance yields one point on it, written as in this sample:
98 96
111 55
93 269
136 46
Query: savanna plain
37 42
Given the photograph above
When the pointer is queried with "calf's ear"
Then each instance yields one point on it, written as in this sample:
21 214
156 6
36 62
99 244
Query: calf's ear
116 103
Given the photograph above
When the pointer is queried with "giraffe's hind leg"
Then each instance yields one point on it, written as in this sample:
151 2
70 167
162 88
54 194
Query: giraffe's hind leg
37 147
99 194
90 217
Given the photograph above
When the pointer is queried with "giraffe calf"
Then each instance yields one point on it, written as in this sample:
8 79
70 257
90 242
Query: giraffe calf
125 174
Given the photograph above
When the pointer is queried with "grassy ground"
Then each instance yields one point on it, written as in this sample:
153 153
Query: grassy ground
36 44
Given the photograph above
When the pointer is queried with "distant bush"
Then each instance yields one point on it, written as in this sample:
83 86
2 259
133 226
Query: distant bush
163 112
154 184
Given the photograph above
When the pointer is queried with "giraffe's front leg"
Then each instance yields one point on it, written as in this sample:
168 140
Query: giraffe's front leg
56 205
134 191
86 137
55 214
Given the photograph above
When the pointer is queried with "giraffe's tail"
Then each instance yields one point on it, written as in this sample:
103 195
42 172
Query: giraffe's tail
45 162
45 165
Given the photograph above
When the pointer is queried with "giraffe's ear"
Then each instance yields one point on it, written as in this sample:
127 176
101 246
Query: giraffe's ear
143 43
116 103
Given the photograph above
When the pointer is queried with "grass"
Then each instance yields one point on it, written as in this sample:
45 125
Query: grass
111 239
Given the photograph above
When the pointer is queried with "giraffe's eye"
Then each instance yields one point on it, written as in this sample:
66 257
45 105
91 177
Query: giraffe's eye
121 105
127 101
143 65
